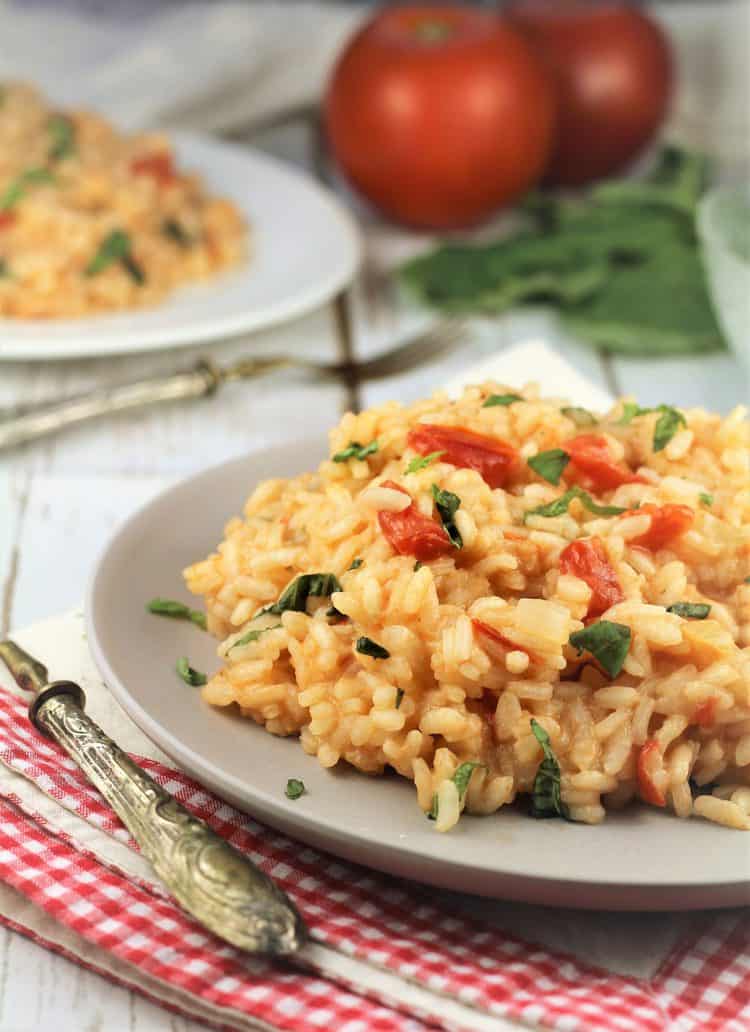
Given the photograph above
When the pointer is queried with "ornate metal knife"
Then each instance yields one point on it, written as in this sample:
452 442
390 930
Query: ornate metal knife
211 879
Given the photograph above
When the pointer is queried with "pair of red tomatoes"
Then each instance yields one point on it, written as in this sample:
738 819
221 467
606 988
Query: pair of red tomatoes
440 115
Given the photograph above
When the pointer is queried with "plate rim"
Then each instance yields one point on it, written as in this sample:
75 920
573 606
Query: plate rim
161 339
524 886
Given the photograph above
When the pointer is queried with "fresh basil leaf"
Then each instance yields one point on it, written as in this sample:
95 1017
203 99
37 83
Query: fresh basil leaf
188 674
447 505
62 137
580 416
250 636
356 563
116 247
690 610
294 788
307 585
606 641
355 450
17 188
418 565
368 647
423 461
177 610
462 777
399 697
667 426
707 499
560 505
172 229
501 399
550 465
546 800
629 411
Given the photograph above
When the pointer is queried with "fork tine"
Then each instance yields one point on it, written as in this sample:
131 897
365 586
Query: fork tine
426 345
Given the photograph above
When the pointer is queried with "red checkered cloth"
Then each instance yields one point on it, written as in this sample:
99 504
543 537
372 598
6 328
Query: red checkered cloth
382 922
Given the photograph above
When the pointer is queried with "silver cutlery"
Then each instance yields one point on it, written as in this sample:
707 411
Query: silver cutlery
206 377
209 878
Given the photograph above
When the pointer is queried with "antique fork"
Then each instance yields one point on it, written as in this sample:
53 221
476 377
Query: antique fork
208 877
206 377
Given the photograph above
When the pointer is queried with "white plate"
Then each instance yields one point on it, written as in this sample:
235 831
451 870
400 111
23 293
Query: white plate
638 859
305 247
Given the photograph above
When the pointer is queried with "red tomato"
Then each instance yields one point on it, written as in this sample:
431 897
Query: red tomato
613 71
649 758
410 532
439 115
493 459
667 523
587 560
499 637
7 218
593 464
158 166
705 712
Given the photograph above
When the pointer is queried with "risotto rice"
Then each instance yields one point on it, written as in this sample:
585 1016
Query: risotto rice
503 596
92 220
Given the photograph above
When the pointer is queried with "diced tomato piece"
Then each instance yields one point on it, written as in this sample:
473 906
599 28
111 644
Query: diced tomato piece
705 712
588 561
593 465
649 758
667 523
158 166
7 218
493 459
410 532
494 635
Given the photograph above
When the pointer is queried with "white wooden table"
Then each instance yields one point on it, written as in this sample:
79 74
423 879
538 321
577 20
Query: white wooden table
60 499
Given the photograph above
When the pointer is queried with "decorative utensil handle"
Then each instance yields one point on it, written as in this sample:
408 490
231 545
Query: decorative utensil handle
195 383
209 877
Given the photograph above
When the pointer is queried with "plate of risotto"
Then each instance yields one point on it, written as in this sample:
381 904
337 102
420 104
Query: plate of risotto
496 642
114 242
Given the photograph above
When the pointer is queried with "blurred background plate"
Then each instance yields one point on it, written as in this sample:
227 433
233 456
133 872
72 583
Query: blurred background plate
637 859
304 247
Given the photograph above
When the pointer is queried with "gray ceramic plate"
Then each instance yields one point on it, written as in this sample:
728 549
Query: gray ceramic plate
639 859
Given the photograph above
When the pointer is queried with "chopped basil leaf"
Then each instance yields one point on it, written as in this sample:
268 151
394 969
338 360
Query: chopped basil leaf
447 505
368 647
501 399
62 136
423 461
115 247
177 610
294 788
560 505
17 188
355 450
171 228
707 499
462 777
550 465
545 799
747 580
667 425
399 697
418 565
433 811
251 636
188 674
690 610
4 271
356 563
307 585
580 416
606 641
